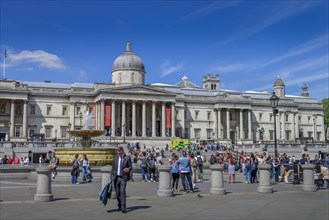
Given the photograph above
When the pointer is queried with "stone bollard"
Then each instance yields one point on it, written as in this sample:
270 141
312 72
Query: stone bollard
217 180
264 185
106 178
164 181
308 178
43 185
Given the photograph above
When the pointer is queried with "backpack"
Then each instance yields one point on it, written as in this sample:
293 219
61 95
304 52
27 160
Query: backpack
199 161
247 163
151 164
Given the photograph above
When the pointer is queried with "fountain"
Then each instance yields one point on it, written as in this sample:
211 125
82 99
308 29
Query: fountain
96 156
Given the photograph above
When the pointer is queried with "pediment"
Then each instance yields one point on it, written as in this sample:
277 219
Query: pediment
141 90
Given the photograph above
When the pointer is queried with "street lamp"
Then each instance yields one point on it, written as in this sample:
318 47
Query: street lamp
274 103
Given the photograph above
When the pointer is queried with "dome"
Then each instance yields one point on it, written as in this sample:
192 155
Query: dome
278 82
128 61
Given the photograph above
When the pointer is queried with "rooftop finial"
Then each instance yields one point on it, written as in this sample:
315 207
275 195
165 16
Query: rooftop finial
128 47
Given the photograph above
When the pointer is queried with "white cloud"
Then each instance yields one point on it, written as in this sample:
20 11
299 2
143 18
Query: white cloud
167 68
236 67
25 69
40 57
83 76
302 49
278 14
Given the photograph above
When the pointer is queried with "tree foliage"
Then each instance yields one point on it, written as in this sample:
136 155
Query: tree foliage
325 103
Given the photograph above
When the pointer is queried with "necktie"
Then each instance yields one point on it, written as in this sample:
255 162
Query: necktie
120 166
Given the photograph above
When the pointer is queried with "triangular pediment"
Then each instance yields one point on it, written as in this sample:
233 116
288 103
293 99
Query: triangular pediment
137 89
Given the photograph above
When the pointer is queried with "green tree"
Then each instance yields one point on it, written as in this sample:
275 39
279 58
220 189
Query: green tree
325 103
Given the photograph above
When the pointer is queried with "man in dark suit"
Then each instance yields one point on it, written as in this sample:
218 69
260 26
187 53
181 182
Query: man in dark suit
121 167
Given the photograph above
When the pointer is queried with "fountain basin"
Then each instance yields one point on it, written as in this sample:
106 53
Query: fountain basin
96 156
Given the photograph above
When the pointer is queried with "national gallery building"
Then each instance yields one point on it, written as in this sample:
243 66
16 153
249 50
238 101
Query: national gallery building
128 110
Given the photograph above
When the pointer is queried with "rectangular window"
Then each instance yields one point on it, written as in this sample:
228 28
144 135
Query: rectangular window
31 134
261 135
287 118
271 117
63 132
299 119
209 133
32 110
196 115
18 110
78 110
197 133
318 136
48 132
287 135
310 134
309 119
271 135
48 110
64 110
17 131
260 116
209 116
2 109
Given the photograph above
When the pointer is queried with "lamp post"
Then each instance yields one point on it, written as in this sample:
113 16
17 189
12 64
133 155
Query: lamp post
9 131
274 103
55 134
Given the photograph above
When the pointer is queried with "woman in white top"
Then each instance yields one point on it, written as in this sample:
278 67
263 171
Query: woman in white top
85 167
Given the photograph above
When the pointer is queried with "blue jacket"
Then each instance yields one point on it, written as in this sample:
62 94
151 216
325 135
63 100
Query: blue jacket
184 164
174 167
326 162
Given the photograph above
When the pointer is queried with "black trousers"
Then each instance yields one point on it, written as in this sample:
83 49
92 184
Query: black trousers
120 190
175 179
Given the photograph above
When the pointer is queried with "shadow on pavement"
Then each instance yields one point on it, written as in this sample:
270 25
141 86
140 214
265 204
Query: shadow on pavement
131 208
59 199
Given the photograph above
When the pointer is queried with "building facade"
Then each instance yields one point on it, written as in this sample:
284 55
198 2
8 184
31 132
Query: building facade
129 110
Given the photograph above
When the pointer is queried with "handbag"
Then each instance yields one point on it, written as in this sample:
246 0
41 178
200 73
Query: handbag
106 193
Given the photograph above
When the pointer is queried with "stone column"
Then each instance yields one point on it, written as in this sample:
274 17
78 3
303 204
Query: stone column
216 124
102 114
183 122
293 129
308 178
24 118
133 131
297 126
163 120
144 119
113 118
314 128
43 185
283 120
173 120
106 178
241 124
12 118
249 124
217 180
153 119
264 185
164 181
72 115
123 121
227 123
219 111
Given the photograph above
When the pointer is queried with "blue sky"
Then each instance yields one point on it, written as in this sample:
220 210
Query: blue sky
248 43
